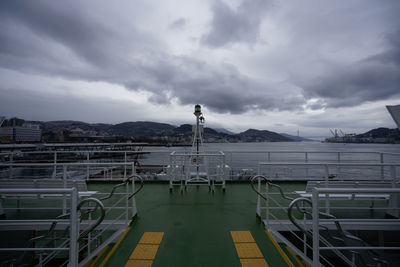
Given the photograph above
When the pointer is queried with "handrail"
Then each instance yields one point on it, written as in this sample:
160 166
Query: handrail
327 215
99 220
336 222
270 184
66 215
127 180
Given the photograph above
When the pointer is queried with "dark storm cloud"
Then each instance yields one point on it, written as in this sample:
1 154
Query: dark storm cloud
60 39
63 23
375 78
223 89
73 40
231 26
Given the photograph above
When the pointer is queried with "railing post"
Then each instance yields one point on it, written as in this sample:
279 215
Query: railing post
10 174
87 168
315 227
381 160
267 204
73 245
126 204
65 186
230 164
125 161
306 158
327 203
55 165
339 169
134 210
258 210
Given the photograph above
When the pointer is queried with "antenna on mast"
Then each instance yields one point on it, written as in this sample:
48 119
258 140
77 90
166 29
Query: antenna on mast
198 129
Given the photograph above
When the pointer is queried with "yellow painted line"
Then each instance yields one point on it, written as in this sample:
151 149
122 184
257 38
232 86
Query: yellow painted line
94 261
294 256
151 238
248 250
144 252
284 256
253 263
139 263
242 237
115 247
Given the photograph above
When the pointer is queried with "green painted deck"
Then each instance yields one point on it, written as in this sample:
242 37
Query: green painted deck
196 225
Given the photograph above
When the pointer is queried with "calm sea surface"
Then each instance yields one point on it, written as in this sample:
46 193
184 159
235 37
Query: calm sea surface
247 155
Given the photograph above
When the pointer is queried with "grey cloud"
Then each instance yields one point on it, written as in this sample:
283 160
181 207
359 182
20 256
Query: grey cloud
375 78
65 24
88 54
231 26
67 40
178 24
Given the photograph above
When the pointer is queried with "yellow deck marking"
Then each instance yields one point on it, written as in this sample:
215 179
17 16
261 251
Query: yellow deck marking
253 263
294 256
144 252
94 261
242 237
139 263
115 247
248 250
284 256
151 238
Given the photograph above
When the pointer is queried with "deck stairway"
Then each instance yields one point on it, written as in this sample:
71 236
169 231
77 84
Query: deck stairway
328 229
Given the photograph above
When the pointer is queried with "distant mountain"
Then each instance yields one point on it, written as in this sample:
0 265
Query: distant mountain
378 135
223 130
67 124
295 138
253 135
186 129
381 133
149 130
141 129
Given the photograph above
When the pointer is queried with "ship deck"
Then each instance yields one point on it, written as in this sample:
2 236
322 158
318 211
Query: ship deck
197 225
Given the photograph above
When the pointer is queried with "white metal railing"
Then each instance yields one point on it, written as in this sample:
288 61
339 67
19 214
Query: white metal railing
272 207
197 168
329 171
242 164
77 170
120 208
72 246
316 221
240 160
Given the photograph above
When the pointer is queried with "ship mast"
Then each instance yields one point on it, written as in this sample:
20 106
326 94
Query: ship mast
198 129
197 133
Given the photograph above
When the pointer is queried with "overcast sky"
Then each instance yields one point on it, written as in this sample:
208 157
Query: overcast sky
275 65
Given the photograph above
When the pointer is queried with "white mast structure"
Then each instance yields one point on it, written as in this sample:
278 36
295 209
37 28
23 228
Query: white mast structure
197 137
197 167
197 130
